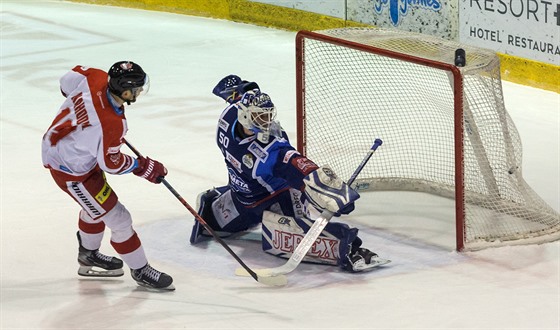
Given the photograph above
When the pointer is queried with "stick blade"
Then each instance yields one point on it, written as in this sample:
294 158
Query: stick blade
265 272
264 276
280 280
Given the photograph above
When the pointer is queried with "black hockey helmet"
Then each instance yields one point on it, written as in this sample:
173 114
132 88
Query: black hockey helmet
127 75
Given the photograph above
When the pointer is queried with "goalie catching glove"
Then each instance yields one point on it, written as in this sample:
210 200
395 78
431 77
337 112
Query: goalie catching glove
232 87
150 169
326 191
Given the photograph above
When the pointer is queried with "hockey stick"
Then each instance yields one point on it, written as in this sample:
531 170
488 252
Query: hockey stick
273 281
312 234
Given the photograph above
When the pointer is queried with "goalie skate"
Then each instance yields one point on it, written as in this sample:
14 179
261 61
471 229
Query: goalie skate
363 260
375 262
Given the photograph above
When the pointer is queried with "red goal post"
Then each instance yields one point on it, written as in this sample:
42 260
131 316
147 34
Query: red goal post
445 128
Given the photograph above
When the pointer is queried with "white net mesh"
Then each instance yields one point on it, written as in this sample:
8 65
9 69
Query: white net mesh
352 94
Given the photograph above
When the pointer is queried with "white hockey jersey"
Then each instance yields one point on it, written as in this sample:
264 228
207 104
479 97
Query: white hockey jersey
89 128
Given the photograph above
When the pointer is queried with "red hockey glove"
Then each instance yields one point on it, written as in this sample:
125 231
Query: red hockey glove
150 169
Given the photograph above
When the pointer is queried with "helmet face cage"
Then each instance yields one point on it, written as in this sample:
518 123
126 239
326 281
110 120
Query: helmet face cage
257 112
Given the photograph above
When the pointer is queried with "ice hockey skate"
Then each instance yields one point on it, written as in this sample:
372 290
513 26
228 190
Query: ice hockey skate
361 259
95 264
149 277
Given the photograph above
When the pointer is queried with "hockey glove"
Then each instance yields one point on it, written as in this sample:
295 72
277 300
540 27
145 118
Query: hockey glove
150 169
326 191
231 88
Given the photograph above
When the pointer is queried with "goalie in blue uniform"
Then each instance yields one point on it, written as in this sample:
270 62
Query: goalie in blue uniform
271 184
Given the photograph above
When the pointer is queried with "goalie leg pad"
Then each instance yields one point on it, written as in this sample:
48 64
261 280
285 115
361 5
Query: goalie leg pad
223 213
281 235
204 203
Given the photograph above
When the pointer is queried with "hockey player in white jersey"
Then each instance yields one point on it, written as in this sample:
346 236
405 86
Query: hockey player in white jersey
271 184
80 146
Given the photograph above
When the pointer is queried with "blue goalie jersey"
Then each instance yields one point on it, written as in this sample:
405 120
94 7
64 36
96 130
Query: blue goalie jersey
258 170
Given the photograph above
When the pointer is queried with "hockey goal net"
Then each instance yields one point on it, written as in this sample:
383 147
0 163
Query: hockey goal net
445 128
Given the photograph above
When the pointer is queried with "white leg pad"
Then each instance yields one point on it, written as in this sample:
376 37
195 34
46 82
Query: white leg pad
282 234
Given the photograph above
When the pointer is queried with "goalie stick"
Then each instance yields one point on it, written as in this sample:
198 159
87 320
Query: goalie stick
272 281
312 234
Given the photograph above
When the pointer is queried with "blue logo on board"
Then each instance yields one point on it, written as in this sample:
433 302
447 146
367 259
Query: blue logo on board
399 8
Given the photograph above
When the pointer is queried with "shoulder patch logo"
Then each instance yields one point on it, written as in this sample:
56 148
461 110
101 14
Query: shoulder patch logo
289 155
304 165
247 159
233 161
223 124
259 152
113 150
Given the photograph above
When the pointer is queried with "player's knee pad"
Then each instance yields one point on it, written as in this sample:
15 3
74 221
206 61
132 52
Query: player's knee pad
282 234
119 221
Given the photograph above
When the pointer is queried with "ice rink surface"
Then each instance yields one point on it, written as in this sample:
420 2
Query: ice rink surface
427 286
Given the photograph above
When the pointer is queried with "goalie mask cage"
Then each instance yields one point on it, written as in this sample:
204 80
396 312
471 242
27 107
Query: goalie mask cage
445 128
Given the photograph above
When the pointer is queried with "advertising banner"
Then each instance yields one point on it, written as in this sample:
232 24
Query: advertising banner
433 17
522 28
